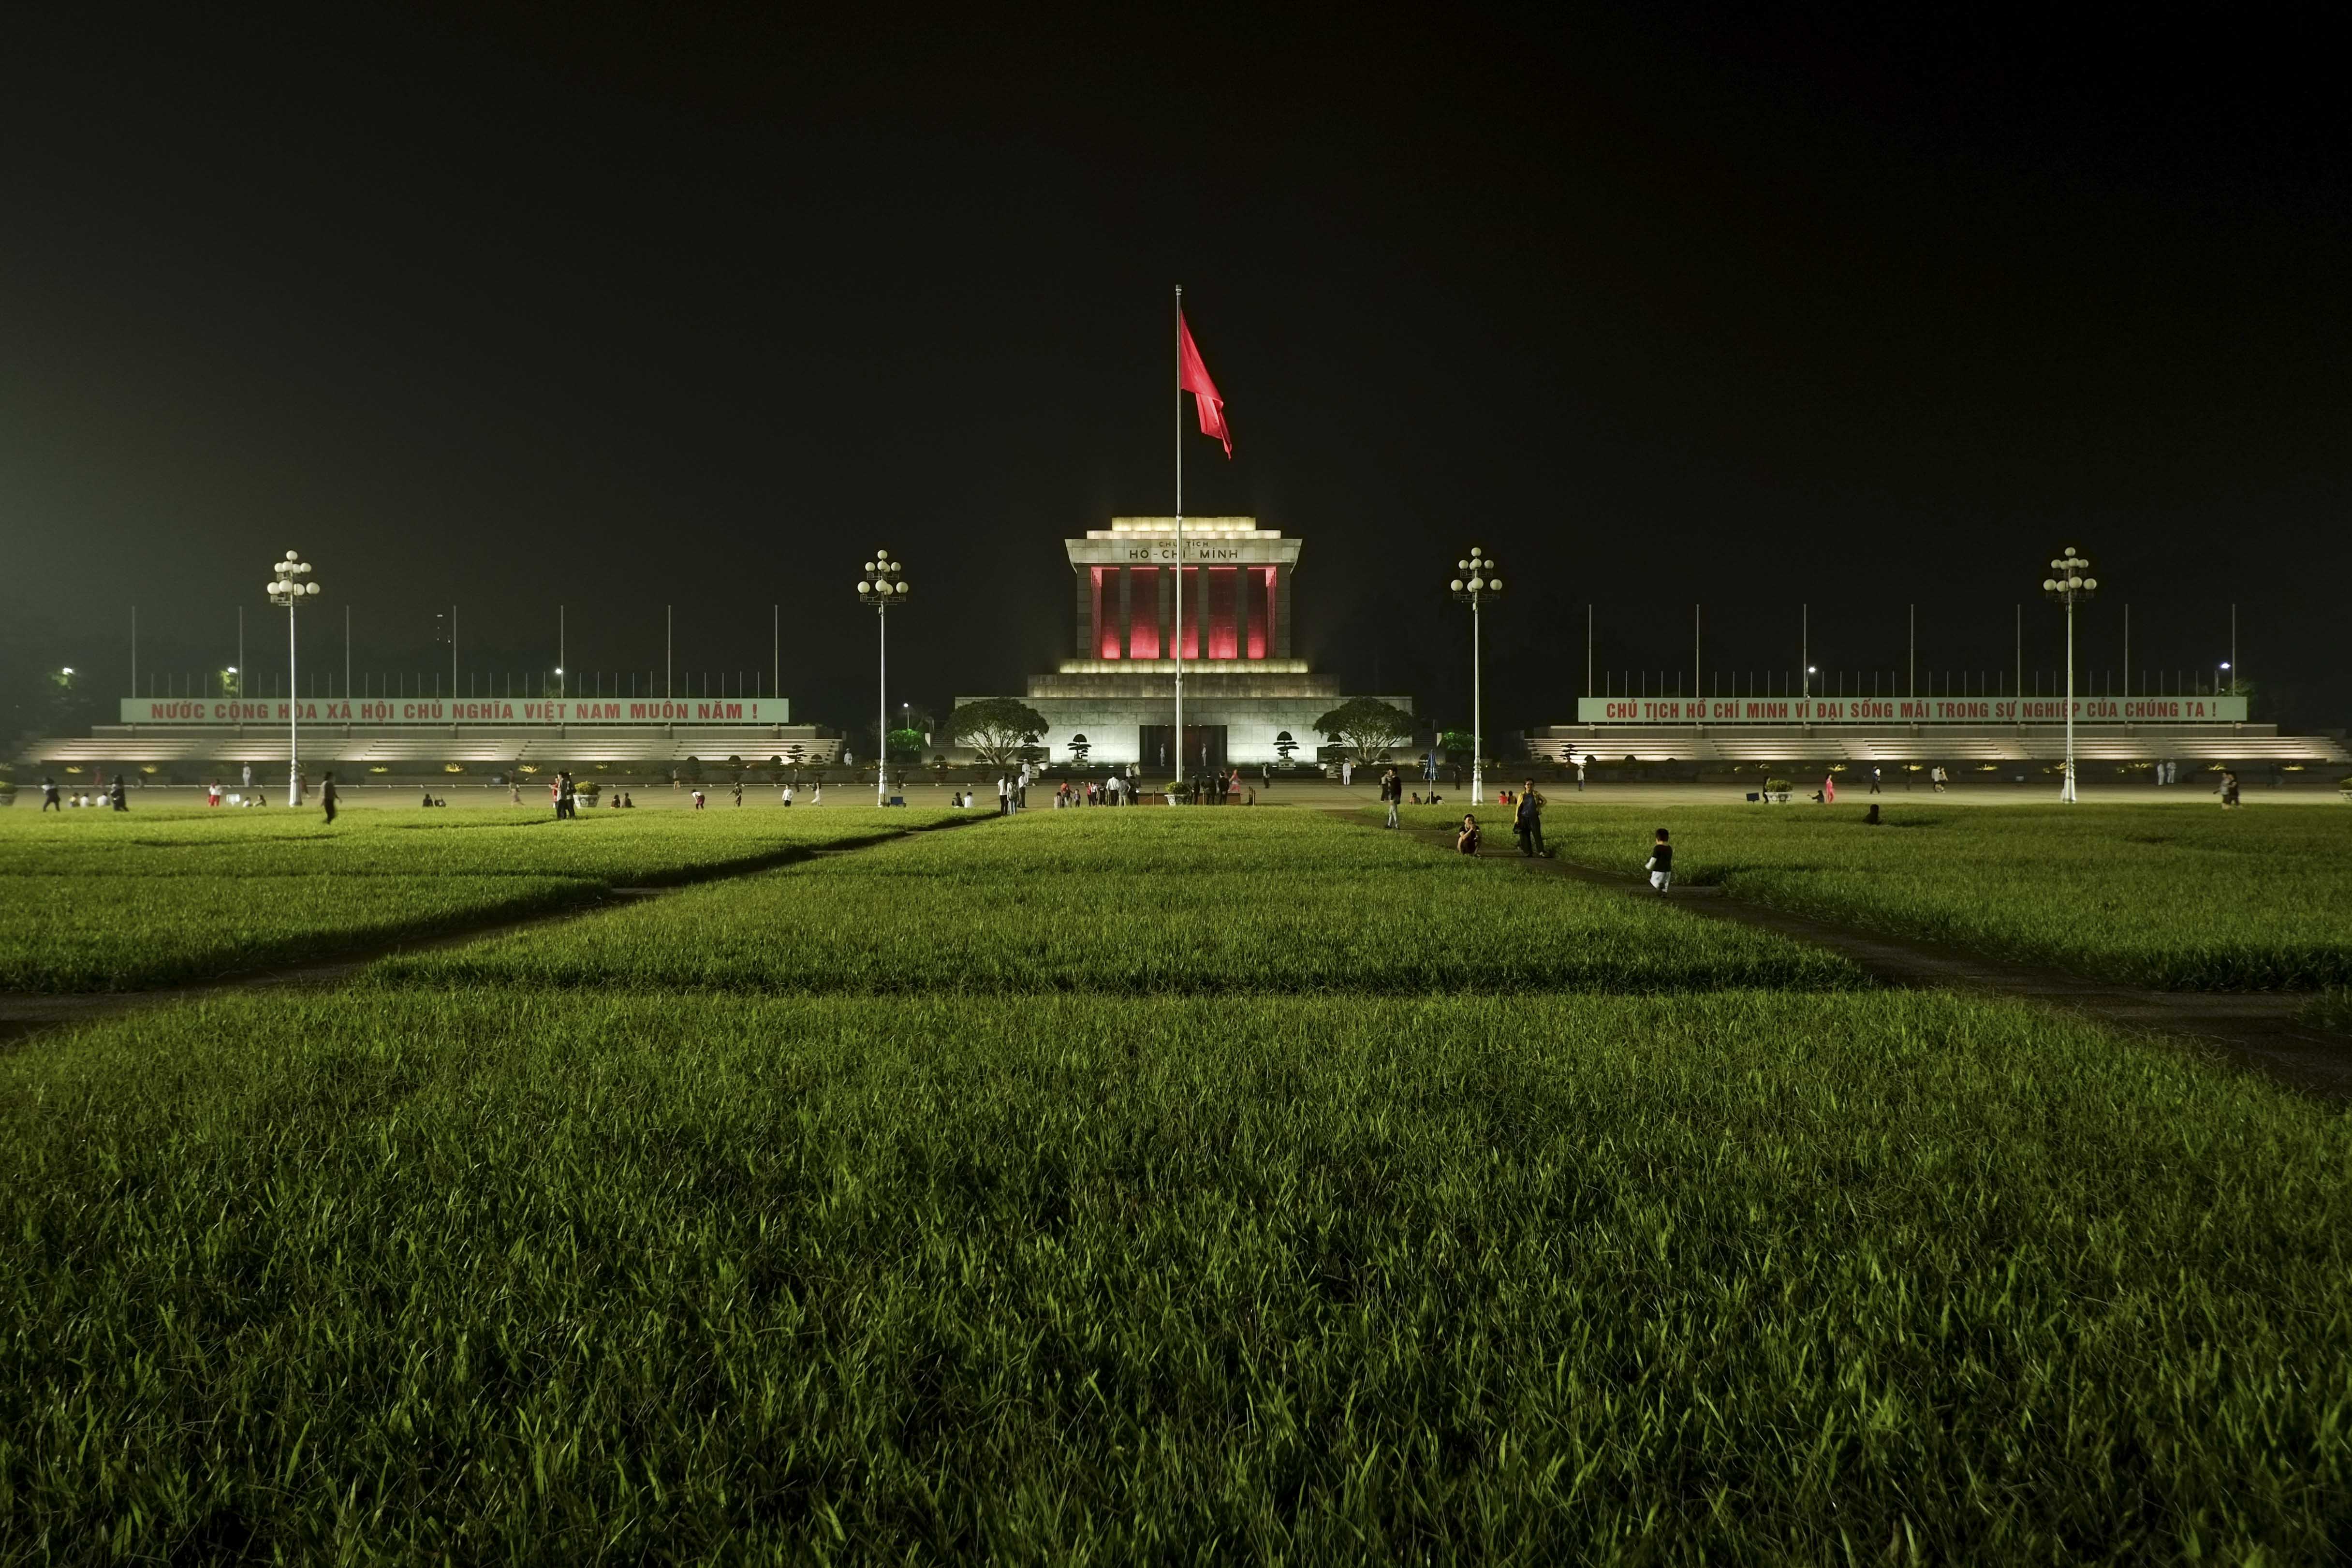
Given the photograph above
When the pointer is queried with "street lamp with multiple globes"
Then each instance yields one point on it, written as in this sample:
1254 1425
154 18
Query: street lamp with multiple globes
1477 584
882 587
287 585
2069 585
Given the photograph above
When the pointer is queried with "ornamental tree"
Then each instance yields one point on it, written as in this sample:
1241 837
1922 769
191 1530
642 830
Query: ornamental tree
996 729
1367 724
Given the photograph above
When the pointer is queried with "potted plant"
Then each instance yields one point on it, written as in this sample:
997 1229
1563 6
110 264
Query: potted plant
1777 790
2344 789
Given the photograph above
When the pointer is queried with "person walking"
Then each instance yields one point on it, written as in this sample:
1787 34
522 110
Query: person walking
122 802
1829 788
739 792
1660 864
2229 790
1393 792
1581 758
1526 821
1004 796
49 801
1347 774
327 797
248 777
1873 779
1937 777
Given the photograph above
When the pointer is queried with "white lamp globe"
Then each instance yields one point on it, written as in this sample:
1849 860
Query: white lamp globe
1493 585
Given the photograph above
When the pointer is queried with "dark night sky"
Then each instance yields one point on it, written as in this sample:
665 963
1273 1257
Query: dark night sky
623 307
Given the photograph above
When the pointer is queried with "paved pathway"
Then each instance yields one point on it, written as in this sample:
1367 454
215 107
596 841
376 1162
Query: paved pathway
2257 1029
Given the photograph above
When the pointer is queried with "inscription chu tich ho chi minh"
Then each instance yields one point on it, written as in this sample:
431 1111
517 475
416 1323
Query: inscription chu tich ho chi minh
1193 552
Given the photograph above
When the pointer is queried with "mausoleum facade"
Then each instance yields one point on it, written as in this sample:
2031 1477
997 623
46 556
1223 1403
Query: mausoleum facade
1247 698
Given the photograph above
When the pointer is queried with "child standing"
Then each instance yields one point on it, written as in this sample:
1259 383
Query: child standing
1660 864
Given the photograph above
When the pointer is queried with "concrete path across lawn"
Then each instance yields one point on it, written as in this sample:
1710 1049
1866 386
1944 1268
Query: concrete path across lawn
2257 1029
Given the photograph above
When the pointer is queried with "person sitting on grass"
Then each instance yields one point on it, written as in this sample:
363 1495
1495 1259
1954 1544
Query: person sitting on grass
1660 864
1466 840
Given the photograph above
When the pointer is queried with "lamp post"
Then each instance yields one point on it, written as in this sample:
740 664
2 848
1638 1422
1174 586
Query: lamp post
287 585
2069 585
882 587
1477 584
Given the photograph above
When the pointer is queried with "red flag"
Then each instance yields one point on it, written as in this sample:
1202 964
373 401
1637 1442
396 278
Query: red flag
1192 376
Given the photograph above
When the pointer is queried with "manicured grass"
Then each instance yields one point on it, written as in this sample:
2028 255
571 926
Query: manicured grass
2174 896
617 846
121 933
1881 1277
1142 901
97 901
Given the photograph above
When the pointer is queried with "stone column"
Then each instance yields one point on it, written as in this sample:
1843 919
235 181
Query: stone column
1245 590
1167 611
1282 611
1089 648
1126 583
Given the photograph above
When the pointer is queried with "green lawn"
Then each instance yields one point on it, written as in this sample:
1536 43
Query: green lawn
2174 896
98 900
1118 1187
1145 901
1538 1278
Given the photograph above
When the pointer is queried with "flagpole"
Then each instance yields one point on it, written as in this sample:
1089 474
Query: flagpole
1179 628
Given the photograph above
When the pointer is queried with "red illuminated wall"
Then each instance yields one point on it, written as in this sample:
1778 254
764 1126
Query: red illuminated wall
1106 626
1223 582
1143 612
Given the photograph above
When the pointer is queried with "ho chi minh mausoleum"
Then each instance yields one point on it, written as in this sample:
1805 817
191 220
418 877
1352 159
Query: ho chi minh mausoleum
1247 698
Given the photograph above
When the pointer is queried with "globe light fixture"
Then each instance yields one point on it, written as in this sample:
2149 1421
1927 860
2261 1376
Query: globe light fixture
1477 583
882 586
291 585
2070 581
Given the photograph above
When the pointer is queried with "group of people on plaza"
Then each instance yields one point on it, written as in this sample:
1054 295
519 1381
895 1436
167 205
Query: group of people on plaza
1119 788
109 795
